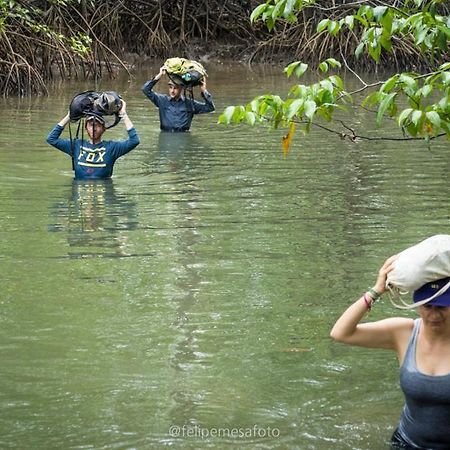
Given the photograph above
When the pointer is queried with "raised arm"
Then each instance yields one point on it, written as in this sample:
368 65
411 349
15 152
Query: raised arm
147 89
54 139
64 121
390 333
208 106
124 116
120 148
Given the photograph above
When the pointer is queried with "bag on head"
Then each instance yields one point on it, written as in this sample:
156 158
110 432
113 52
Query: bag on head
422 263
108 103
82 104
185 72
99 104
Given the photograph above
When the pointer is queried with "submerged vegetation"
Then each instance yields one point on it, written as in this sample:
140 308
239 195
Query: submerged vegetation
44 39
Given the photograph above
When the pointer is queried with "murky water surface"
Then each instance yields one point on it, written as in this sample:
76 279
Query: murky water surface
186 303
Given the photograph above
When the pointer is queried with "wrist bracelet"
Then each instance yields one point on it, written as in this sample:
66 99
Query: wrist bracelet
368 302
374 294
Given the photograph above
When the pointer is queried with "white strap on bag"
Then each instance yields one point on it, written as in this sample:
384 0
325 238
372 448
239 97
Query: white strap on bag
422 263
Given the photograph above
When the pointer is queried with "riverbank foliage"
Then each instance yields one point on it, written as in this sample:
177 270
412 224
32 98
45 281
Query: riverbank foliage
45 39
418 99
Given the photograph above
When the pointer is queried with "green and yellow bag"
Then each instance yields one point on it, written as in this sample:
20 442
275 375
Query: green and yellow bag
185 72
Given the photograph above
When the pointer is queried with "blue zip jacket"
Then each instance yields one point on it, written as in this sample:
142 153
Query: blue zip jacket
93 161
177 115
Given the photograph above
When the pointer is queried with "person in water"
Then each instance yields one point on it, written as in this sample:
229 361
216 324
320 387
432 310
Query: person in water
94 158
423 350
175 110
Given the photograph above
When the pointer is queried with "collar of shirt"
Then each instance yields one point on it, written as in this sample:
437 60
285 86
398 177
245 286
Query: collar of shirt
181 97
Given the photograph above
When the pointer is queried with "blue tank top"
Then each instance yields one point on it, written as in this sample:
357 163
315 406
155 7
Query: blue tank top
425 419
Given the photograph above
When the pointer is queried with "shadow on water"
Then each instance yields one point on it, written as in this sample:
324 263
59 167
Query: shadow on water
94 217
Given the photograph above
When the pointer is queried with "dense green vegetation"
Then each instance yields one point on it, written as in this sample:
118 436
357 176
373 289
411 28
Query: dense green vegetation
418 99
44 39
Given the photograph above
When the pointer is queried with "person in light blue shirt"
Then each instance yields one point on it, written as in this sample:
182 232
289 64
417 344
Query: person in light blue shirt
94 158
176 111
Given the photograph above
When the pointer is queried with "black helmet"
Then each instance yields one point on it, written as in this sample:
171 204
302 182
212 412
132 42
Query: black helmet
99 104
108 103
82 104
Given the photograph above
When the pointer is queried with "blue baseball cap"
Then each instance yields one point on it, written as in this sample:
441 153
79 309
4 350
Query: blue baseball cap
430 289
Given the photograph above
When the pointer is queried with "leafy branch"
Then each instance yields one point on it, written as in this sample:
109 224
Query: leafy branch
419 103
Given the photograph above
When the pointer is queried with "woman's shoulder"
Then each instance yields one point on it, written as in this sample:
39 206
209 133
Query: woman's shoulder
402 329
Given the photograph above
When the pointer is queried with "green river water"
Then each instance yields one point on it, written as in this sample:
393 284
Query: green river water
187 302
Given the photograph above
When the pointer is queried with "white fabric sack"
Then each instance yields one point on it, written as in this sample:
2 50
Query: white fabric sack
427 261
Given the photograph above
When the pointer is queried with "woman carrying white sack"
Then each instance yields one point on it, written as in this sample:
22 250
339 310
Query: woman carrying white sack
422 345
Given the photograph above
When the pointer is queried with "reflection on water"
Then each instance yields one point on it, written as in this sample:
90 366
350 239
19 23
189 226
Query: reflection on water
177 150
198 287
175 146
94 218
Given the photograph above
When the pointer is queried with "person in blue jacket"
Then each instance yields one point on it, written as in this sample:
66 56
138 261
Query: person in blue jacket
175 110
94 158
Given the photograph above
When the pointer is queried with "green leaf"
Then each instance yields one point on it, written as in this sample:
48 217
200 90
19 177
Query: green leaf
322 25
389 84
323 66
386 43
379 11
444 103
445 77
290 68
310 109
333 62
372 99
324 96
404 115
328 85
296 67
387 21
374 51
337 81
294 108
225 117
238 114
416 116
426 90
300 70
278 10
434 118
257 12
409 81
250 118
333 28
384 105
359 49
421 34
288 10
349 21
